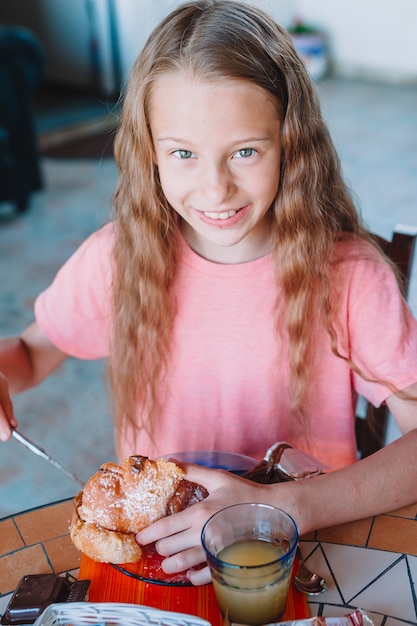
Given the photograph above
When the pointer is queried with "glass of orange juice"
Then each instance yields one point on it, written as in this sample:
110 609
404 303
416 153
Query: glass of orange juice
250 550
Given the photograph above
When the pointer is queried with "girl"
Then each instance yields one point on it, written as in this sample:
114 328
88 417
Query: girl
236 294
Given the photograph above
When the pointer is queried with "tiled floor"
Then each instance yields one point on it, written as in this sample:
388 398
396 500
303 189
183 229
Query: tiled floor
375 130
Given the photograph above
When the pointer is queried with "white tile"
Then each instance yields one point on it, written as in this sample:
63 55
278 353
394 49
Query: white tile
390 594
355 568
396 622
335 611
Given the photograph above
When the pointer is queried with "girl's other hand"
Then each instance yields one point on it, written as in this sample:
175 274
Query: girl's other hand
7 417
178 537
25 361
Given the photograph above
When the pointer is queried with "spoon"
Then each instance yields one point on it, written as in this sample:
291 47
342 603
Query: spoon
307 582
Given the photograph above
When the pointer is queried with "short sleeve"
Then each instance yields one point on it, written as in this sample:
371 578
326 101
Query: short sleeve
74 311
381 334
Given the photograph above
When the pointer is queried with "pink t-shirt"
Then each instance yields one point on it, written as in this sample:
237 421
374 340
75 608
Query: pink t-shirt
227 384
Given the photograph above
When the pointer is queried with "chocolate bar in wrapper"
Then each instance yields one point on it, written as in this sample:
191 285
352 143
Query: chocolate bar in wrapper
356 618
282 462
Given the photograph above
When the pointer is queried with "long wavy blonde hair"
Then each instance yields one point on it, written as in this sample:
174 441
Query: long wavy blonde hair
212 40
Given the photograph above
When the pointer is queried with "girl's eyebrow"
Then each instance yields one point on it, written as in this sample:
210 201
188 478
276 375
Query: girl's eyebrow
174 139
244 140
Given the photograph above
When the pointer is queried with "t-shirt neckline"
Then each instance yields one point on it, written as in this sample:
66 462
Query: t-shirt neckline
200 264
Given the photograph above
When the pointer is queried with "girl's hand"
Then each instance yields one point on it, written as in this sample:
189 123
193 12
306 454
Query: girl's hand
24 362
178 537
7 417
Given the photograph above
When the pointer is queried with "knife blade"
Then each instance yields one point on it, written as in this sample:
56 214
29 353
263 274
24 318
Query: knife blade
33 447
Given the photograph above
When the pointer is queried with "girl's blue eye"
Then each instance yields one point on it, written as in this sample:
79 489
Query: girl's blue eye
245 152
183 154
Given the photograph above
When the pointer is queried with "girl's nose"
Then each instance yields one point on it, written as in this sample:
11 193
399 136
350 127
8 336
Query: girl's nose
217 183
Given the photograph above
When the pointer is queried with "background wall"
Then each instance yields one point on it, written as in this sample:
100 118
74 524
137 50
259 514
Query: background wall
92 43
374 39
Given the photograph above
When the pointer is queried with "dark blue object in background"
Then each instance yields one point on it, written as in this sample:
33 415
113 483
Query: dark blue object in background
21 71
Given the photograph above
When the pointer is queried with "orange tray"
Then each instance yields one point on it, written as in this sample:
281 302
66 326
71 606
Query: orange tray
111 585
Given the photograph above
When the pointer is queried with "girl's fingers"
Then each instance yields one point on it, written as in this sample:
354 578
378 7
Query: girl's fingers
177 543
7 418
210 479
165 527
184 561
199 576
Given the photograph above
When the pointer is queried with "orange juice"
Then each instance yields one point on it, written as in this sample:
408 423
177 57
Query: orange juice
255 592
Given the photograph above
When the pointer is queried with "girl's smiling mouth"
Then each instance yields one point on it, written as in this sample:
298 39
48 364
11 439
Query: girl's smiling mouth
220 216
223 218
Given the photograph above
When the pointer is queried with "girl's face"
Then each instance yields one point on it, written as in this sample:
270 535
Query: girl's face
217 148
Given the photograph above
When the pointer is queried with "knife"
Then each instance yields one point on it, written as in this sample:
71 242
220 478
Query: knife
41 452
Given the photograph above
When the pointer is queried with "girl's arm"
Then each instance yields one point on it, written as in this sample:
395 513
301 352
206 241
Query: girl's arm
24 362
378 484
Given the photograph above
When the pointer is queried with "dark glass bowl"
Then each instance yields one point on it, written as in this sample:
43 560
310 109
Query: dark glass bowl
230 461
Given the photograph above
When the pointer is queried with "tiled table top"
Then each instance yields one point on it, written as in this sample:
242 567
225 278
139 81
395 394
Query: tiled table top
371 564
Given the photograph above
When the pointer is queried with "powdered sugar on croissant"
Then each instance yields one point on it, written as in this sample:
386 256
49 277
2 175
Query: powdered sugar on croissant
120 500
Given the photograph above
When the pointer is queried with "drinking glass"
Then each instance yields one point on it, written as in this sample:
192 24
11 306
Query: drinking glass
250 550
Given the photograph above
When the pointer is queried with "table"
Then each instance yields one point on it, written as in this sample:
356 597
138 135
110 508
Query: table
371 563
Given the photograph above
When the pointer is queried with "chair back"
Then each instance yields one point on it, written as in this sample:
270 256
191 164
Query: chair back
371 428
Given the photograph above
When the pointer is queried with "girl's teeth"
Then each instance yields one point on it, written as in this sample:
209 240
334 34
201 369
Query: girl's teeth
220 216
